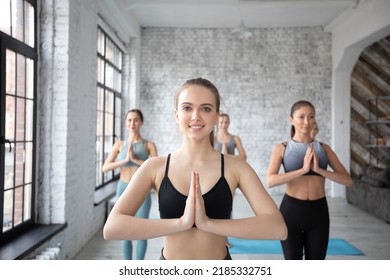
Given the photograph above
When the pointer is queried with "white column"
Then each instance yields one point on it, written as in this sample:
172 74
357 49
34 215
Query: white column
351 34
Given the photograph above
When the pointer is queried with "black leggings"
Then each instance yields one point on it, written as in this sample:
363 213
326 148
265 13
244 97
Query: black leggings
308 228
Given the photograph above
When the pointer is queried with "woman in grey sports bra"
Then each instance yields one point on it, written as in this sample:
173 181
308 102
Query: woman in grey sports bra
129 155
196 187
225 142
304 206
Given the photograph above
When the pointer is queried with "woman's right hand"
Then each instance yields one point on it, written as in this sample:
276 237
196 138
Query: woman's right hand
224 148
188 218
307 160
130 153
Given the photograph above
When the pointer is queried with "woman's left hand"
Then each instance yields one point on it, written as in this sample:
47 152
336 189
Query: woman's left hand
314 163
200 211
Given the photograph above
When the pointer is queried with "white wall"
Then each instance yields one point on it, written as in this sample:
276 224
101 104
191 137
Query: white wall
259 79
366 24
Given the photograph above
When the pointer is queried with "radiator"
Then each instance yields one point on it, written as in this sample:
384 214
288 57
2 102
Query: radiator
51 253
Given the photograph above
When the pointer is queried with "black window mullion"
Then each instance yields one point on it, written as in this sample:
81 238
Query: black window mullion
19 161
108 89
15 128
2 129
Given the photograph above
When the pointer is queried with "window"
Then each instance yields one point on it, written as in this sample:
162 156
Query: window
109 101
17 115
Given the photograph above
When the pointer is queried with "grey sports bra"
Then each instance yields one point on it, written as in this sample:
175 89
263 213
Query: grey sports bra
295 152
230 146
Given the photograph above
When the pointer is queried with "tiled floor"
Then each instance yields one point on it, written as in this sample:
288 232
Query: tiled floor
364 231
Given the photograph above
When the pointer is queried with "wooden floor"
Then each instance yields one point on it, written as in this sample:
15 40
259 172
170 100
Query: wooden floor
366 232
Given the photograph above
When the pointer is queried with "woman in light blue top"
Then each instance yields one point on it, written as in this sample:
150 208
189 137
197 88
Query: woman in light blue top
128 155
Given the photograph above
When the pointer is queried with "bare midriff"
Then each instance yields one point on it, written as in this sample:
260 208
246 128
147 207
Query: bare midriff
310 187
194 244
127 173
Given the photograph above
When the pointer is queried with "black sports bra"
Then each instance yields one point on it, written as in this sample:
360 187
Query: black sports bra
218 201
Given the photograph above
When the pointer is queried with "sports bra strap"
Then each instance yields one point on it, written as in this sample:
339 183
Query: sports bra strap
167 166
222 165
169 157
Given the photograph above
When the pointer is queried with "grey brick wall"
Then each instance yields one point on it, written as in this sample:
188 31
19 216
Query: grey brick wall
259 79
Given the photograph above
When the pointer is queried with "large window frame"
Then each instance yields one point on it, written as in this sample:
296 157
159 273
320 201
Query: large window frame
18 111
109 103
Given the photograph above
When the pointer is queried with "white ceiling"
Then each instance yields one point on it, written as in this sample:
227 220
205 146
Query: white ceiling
229 13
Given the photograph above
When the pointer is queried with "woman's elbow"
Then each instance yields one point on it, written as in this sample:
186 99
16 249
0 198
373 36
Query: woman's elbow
349 182
108 232
283 232
269 182
280 227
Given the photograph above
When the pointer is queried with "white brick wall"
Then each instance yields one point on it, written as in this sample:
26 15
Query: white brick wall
67 122
259 79
52 110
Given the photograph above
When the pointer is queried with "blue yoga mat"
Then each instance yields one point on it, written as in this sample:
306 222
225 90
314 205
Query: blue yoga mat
336 246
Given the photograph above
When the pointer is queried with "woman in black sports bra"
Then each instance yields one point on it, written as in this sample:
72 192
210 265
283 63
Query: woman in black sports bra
195 186
304 206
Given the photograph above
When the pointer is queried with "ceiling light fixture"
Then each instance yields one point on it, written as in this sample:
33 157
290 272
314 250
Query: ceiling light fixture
241 32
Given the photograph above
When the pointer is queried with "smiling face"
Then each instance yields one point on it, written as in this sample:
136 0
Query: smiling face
223 122
303 119
196 112
133 121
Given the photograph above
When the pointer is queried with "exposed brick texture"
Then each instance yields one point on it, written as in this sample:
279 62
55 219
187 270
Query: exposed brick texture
67 122
259 79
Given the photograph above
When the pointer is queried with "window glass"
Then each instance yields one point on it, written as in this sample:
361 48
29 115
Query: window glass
109 101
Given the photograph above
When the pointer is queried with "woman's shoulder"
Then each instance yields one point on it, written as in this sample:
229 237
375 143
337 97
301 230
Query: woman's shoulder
155 164
236 167
325 146
119 144
279 149
234 161
149 143
281 145
157 159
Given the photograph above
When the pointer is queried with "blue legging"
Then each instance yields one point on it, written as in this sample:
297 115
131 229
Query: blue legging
143 212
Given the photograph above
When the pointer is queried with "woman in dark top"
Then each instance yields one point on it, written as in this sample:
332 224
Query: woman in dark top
304 206
195 186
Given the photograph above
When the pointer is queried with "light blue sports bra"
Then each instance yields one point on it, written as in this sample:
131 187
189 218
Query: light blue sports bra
295 152
139 152
230 146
